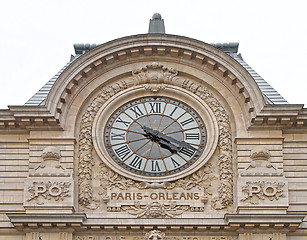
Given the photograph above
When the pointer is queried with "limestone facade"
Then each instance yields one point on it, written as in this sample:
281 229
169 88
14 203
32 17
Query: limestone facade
58 181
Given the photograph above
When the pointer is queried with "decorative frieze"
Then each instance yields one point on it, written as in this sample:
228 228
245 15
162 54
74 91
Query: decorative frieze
154 235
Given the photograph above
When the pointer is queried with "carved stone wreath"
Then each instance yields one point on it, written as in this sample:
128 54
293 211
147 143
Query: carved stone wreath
258 191
154 77
48 190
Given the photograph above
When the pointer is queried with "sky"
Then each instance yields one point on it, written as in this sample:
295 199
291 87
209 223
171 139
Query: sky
37 37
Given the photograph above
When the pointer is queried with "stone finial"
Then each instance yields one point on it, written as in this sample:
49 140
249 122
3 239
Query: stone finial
156 16
156 24
51 153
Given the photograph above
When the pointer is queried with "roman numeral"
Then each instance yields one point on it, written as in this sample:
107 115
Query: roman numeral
186 151
173 111
175 163
122 151
187 121
192 136
155 107
136 162
155 166
119 120
137 111
119 136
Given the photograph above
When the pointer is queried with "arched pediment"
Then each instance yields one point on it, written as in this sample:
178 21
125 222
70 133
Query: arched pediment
190 57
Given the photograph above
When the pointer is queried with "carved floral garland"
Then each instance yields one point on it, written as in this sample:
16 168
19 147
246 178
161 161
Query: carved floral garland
154 77
225 190
86 197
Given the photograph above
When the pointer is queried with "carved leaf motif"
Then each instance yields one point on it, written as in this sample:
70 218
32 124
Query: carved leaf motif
198 179
86 198
109 179
62 187
260 194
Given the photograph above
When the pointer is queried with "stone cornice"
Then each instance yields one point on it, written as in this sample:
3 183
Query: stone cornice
27 117
282 116
230 222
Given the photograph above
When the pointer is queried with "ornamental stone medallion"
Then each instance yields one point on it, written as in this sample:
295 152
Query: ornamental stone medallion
155 156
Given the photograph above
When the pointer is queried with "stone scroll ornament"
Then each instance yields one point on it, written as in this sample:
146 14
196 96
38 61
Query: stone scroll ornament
155 77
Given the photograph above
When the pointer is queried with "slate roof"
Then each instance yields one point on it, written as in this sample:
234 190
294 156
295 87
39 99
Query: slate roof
270 94
38 99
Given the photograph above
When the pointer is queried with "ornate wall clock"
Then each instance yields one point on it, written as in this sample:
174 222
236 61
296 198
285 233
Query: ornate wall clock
155 138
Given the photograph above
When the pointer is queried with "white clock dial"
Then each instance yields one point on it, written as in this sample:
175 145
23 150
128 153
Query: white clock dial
155 136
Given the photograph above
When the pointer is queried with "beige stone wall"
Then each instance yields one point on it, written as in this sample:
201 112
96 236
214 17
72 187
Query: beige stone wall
14 165
295 168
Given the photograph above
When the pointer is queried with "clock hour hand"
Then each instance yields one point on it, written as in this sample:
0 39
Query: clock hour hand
169 146
154 134
160 136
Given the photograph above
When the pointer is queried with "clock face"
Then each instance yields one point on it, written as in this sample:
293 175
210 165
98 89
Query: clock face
155 136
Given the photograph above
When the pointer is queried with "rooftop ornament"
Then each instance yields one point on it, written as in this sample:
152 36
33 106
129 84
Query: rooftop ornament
156 24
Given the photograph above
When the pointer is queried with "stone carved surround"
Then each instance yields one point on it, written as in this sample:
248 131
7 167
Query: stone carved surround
155 75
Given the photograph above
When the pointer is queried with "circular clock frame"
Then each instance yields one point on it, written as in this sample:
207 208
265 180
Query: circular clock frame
170 92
